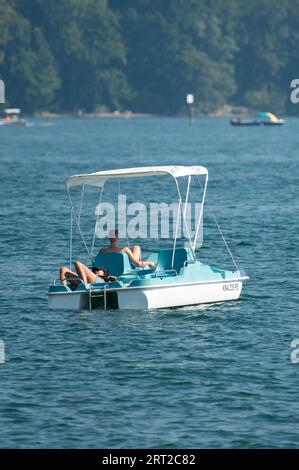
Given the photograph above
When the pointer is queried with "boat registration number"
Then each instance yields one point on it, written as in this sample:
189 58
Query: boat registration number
230 287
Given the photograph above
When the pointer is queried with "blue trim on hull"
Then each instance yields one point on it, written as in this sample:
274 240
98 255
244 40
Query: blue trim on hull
185 270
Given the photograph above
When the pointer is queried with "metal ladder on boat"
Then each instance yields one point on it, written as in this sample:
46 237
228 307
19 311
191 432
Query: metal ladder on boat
96 294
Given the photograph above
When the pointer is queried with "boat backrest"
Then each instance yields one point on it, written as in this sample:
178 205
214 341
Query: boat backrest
116 263
180 257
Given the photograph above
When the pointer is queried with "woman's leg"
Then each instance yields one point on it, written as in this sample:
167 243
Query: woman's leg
85 273
137 252
66 273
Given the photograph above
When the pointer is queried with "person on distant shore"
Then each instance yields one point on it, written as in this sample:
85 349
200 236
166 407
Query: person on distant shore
134 254
84 274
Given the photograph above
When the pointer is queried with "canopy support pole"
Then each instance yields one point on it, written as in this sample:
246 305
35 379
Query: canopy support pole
119 194
78 225
97 219
81 202
201 211
187 195
184 219
71 240
217 225
176 231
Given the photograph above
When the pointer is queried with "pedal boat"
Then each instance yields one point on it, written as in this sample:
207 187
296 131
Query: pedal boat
178 279
262 119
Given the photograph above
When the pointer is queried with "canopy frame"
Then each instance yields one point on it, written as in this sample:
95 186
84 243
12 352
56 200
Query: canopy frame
99 179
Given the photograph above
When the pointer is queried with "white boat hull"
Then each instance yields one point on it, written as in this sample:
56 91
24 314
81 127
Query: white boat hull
155 297
20 122
68 301
178 296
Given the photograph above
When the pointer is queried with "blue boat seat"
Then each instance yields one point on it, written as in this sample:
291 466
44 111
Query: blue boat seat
116 263
180 257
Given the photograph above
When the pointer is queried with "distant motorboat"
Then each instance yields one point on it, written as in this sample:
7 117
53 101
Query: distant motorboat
12 117
261 119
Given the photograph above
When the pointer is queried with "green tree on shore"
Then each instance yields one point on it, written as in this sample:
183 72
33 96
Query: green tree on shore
146 55
87 46
27 67
174 48
263 53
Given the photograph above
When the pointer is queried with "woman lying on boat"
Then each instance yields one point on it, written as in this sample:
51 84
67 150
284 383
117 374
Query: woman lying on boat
84 274
134 254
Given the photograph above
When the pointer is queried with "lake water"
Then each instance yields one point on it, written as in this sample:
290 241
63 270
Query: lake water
190 377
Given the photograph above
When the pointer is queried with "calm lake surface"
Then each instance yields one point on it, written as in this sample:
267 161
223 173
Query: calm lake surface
190 377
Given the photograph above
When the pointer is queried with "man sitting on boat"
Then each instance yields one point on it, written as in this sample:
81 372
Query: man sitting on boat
134 254
100 274
84 274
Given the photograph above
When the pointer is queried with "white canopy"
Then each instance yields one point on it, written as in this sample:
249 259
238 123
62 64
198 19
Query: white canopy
99 178
12 110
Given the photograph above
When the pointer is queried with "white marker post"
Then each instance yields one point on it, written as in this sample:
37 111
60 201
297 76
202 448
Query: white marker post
2 92
2 352
190 102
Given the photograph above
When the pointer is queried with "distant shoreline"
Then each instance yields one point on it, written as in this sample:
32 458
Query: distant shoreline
225 111
115 115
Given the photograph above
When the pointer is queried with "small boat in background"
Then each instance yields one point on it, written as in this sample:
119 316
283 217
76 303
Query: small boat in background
261 119
12 117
